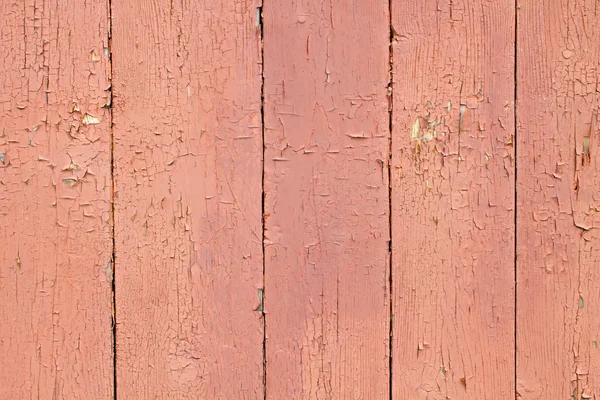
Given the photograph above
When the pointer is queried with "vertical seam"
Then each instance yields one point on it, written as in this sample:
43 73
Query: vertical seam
515 143
112 200
262 127
389 166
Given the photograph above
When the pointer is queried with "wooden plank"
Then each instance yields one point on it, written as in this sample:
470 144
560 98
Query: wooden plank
453 199
188 149
558 242
326 199
55 186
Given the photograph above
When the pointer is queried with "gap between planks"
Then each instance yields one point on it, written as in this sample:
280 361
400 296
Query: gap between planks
515 144
390 94
112 199
260 23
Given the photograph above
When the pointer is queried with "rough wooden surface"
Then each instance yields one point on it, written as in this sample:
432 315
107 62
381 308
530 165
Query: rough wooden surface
188 176
453 199
191 183
558 200
326 199
55 251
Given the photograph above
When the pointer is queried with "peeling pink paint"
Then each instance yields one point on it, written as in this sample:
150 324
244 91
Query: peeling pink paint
188 223
453 200
326 200
341 224
55 185
558 198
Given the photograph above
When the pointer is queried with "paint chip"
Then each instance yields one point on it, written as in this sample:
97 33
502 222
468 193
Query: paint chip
416 130
89 119
258 17
357 136
71 167
586 149
95 57
261 305
70 182
109 272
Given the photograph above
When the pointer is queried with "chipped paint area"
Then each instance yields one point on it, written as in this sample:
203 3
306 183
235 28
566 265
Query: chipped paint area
326 200
453 201
251 210
55 221
558 197
88 119
188 221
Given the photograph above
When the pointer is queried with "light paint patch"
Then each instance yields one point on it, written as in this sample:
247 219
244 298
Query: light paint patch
95 57
89 119
416 130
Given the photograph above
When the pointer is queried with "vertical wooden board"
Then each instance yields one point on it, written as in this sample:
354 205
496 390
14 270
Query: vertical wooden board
326 199
188 151
55 185
558 193
453 199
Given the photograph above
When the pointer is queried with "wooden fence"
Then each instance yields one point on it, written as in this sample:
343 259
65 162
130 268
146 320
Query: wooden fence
309 199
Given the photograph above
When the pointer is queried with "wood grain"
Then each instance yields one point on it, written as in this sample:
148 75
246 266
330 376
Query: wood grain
326 199
55 252
453 199
558 193
188 176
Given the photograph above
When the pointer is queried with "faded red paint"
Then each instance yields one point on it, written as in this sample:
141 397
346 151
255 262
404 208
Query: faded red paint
326 200
558 200
55 185
196 254
188 149
453 200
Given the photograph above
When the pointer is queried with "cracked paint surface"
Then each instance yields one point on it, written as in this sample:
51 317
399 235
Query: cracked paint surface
55 188
453 199
558 200
188 151
198 279
326 199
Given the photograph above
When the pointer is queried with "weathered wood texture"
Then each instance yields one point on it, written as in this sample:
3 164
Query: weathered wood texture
55 185
191 183
558 193
188 152
326 199
453 199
